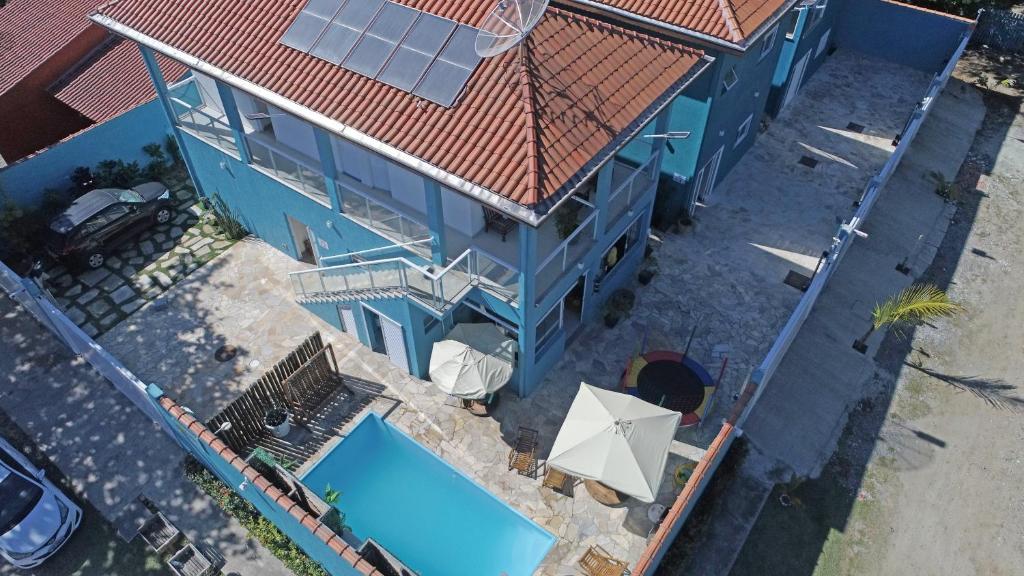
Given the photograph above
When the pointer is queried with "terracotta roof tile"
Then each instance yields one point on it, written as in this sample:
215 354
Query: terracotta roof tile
112 81
33 31
730 20
591 83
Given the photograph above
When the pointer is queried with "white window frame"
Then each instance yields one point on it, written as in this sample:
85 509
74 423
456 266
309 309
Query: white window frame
735 79
743 131
545 339
768 43
817 13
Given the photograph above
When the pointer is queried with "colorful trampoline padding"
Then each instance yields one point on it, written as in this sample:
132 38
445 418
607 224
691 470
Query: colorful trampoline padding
631 380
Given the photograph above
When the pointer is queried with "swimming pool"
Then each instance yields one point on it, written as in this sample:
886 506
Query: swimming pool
428 514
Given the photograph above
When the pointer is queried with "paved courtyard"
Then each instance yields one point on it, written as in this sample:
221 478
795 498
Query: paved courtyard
143 268
723 276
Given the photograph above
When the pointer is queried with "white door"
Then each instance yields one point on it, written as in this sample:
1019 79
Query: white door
823 43
796 79
394 342
708 176
348 319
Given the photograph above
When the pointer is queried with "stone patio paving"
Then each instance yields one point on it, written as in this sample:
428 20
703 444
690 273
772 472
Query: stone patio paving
723 275
143 268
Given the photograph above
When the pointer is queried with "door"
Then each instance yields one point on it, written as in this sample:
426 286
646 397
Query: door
708 176
348 319
387 337
796 79
302 236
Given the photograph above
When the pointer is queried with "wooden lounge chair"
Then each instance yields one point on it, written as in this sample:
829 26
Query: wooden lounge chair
597 562
523 455
558 481
498 222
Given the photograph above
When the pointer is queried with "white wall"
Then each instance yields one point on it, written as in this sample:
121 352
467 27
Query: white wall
208 91
293 132
461 213
407 187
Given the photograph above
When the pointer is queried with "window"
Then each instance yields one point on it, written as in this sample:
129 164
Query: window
768 43
792 20
617 251
730 80
743 130
549 326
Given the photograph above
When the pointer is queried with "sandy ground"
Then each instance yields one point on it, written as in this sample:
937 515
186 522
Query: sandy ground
941 494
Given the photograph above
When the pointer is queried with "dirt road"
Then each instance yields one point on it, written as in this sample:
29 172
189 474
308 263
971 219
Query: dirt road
950 458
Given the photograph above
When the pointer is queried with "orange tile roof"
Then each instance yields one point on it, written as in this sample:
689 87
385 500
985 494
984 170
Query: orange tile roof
530 122
112 81
731 20
32 31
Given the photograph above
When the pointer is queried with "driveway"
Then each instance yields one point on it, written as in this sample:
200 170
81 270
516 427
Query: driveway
142 268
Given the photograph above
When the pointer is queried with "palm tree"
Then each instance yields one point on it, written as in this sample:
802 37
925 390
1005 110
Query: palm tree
916 303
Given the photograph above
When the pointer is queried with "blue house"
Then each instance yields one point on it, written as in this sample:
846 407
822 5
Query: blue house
427 185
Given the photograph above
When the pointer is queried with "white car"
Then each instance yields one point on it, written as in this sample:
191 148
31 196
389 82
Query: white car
36 518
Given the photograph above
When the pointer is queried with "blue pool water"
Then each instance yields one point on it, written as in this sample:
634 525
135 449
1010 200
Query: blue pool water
435 520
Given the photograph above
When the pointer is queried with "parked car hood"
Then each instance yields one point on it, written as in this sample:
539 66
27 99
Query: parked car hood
38 527
150 190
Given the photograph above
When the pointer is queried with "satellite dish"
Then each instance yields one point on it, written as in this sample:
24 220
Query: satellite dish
507 25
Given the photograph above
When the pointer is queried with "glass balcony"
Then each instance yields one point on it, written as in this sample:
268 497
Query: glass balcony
291 167
204 122
628 185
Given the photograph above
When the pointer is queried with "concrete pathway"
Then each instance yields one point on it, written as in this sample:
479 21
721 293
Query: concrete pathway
109 450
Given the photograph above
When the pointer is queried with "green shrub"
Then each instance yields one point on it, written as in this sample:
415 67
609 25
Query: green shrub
226 219
118 174
171 145
157 167
268 534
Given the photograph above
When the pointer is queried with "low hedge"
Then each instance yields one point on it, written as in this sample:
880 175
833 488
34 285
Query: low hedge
263 530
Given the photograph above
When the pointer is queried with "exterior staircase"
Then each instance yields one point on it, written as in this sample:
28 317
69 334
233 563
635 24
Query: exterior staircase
439 289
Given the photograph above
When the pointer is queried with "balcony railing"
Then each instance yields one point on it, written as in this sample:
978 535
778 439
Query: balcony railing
384 220
290 168
634 183
567 254
202 121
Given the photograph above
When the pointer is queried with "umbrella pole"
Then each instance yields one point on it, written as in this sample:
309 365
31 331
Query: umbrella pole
686 351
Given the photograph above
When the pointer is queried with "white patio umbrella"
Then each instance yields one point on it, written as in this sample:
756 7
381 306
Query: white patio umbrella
473 361
616 439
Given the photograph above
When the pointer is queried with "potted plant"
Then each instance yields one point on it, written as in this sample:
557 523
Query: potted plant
333 518
620 303
276 420
916 303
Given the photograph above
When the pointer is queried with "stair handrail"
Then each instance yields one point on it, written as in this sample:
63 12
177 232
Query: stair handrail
378 249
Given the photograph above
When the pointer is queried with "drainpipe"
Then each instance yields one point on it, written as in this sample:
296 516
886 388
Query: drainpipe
328 168
157 78
527 307
604 191
435 220
227 98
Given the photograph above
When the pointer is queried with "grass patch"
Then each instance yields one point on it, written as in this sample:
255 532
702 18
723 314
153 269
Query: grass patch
95 548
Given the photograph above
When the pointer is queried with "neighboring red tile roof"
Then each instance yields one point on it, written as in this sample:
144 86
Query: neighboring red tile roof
522 132
31 31
112 81
730 20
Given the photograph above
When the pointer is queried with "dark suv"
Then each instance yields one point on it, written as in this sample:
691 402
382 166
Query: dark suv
102 219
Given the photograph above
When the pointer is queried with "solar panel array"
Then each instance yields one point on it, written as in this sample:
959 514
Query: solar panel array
420 53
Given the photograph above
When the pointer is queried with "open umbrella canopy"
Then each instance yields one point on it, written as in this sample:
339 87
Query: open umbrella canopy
616 439
474 360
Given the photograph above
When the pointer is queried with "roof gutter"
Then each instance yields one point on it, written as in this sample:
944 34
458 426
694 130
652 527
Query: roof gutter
698 36
517 211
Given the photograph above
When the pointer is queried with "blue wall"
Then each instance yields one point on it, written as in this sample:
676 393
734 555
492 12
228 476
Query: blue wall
120 138
898 33
310 543
806 39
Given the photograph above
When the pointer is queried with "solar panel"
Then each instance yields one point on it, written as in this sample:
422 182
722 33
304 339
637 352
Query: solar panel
447 75
421 53
304 31
323 8
380 39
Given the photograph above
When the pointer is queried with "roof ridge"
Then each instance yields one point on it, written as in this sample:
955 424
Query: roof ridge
623 30
530 112
729 15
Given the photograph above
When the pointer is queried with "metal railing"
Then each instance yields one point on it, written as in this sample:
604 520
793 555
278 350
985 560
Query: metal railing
565 256
291 169
194 116
634 186
384 220
437 289
359 255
